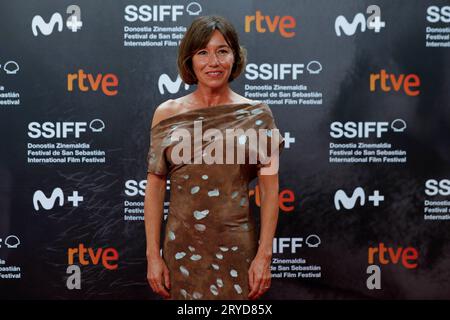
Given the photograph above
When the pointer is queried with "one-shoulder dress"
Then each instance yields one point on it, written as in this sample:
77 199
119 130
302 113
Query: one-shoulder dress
210 237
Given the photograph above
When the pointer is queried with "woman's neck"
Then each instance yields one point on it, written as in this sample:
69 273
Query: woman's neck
212 96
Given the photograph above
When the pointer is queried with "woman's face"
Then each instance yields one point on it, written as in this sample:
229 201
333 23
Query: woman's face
212 65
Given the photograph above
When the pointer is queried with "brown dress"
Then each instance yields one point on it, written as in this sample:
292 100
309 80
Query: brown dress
210 237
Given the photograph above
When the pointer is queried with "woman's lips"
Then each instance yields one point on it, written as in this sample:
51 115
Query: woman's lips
214 74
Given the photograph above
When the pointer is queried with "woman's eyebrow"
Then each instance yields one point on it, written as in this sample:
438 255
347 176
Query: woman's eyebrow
221 46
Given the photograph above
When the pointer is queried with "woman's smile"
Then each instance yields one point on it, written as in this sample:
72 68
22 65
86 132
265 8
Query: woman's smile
214 74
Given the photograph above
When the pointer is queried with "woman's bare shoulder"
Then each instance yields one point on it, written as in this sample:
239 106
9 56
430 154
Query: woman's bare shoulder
165 110
171 107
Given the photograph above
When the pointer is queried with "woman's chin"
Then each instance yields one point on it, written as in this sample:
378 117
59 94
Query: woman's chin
214 84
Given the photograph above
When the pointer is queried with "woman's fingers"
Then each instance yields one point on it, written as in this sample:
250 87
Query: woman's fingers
166 278
250 279
157 283
256 283
159 288
158 277
162 290
262 284
152 285
265 285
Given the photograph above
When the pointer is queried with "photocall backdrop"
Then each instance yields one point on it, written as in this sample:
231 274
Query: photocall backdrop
359 90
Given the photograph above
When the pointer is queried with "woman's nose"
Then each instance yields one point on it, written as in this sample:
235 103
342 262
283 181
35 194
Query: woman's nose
213 59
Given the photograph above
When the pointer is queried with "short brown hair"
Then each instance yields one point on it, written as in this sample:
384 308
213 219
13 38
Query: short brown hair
198 36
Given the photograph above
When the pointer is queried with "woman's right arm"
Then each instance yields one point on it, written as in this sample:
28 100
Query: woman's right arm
157 271
153 209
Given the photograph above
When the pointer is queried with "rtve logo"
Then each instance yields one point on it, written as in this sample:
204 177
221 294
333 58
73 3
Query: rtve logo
386 255
373 22
50 130
408 257
40 200
263 23
366 129
286 198
409 84
156 13
73 22
108 256
342 199
108 83
436 14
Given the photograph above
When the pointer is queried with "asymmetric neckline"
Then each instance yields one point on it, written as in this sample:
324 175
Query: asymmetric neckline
203 109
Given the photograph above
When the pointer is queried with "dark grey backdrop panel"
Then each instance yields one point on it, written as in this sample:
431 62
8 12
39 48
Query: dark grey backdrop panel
334 81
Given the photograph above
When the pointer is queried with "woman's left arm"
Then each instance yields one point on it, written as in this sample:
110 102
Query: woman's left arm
259 271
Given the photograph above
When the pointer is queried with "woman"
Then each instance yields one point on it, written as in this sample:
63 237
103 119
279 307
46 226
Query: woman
210 247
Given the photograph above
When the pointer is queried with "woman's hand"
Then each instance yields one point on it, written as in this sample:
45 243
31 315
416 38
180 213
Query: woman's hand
158 276
259 276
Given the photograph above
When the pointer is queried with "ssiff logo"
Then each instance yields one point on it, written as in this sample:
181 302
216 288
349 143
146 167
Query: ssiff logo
63 130
280 71
160 13
292 245
365 129
435 187
407 257
438 14
284 24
